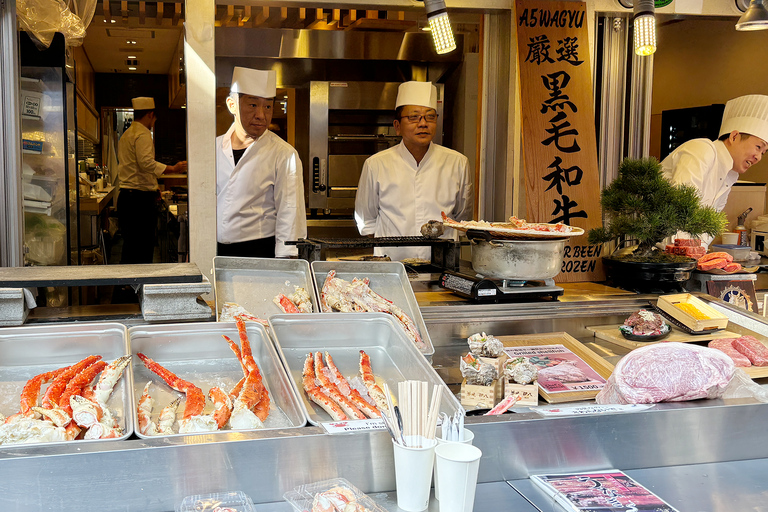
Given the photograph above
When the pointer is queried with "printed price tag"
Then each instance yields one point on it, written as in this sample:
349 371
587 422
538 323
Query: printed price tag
582 410
347 426
31 105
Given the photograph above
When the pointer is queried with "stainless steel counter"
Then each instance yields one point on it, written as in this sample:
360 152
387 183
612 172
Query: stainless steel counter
673 440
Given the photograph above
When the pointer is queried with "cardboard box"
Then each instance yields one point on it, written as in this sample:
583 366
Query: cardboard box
669 304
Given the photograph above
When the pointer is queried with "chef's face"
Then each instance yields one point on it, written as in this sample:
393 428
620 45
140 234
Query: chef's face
746 150
254 114
420 131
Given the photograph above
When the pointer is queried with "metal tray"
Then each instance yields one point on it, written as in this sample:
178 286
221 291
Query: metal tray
387 278
29 351
197 353
394 358
254 282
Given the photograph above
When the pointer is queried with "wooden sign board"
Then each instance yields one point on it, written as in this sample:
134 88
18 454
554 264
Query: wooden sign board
559 144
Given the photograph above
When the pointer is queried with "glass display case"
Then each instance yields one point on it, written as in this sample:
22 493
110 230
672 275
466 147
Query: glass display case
49 170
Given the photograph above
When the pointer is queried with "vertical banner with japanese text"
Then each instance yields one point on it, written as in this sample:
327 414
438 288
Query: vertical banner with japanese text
559 146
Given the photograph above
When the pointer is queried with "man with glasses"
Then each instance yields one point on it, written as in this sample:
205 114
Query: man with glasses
404 187
259 180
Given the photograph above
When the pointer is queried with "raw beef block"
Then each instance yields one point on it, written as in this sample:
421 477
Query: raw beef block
716 255
732 267
753 349
688 242
726 345
710 264
668 372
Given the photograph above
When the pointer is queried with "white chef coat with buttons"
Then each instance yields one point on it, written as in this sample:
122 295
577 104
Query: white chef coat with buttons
706 165
261 196
137 168
396 196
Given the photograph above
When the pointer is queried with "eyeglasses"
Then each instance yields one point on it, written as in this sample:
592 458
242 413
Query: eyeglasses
415 118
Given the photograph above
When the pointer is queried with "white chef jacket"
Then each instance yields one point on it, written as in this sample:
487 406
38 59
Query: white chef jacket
261 196
706 165
703 164
396 196
137 168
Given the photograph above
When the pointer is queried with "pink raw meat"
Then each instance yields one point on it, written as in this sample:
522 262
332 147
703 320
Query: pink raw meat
668 372
726 345
566 371
753 349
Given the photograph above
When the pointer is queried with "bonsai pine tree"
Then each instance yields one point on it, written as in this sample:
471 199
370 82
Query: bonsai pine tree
641 204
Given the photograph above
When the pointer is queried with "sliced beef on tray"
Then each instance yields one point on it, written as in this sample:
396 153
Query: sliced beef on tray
645 322
712 264
726 345
753 349
716 255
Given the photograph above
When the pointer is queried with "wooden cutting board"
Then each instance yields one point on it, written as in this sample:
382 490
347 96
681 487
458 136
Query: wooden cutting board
611 333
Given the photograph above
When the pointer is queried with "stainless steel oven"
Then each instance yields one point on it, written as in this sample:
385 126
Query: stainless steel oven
347 122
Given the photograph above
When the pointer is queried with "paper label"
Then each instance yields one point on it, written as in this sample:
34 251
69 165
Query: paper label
583 410
347 426
528 393
31 105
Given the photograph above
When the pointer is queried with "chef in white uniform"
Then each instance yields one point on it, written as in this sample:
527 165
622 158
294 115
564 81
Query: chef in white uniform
712 167
403 187
138 172
259 180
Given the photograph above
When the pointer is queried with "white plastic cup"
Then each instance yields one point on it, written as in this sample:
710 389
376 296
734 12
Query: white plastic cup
468 438
457 464
730 238
413 472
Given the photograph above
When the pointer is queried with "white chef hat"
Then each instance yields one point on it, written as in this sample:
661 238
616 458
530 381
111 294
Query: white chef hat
143 103
421 94
746 114
254 82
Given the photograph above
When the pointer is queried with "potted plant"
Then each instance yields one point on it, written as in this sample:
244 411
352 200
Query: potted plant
644 207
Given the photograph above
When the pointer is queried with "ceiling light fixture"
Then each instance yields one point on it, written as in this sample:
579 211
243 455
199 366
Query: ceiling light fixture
644 24
756 17
132 57
131 68
440 26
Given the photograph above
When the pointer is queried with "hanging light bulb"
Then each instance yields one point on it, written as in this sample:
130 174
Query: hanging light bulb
756 17
644 23
440 25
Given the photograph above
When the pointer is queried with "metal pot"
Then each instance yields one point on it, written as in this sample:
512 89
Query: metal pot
523 260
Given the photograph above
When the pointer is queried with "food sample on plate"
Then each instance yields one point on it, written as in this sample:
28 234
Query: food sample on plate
74 405
645 323
520 370
297 302
232 310
691 310
715 260
477 373
343 399
514 225
246 406
356 296
485 345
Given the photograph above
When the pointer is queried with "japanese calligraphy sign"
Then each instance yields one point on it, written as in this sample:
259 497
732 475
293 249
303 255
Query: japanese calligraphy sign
559 147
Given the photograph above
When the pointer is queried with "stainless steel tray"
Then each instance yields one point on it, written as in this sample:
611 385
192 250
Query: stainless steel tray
254 282
387 278
394 358
197 353
29 351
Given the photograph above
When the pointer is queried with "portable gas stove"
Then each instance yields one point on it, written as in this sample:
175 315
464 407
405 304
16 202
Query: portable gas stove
480 289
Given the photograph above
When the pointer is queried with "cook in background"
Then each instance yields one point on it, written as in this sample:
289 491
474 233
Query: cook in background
712 167
259 183
138 172
403 187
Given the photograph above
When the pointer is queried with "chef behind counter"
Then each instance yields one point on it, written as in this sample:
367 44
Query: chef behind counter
403 187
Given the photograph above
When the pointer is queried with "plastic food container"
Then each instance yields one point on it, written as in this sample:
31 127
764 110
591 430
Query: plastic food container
739 252
217 501
303 496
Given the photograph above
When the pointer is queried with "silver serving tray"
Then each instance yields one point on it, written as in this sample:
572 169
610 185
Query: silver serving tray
254 282
387 278
394 357
196 352
29 351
